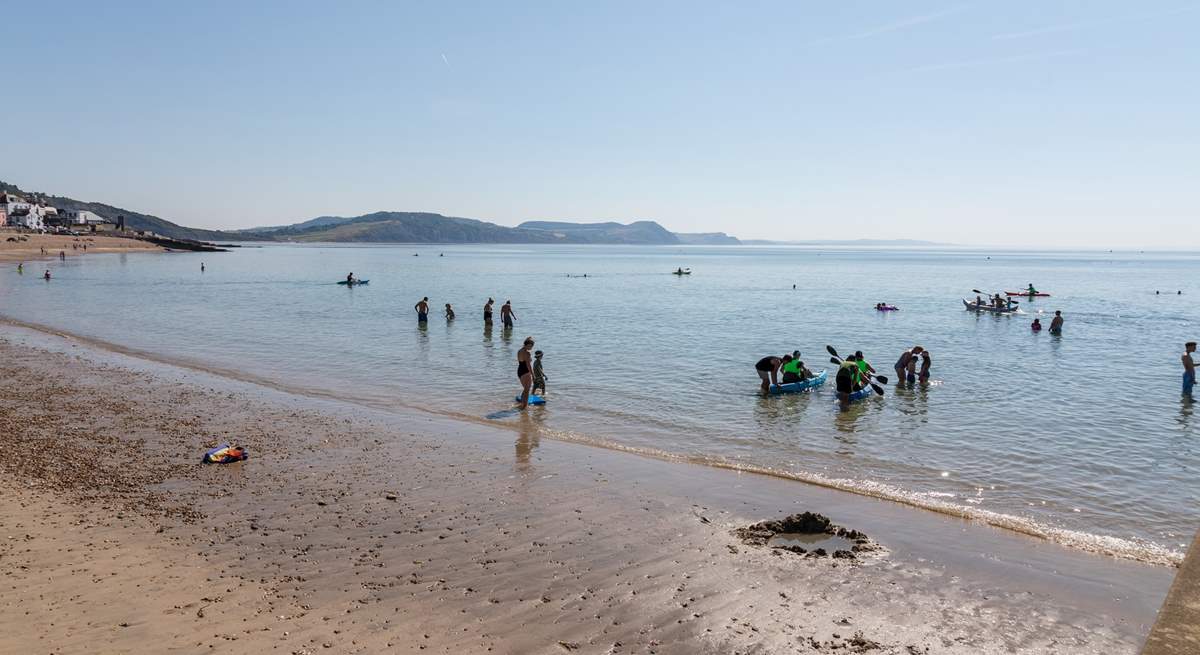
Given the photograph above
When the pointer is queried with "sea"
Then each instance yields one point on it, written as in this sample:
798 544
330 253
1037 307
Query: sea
1081 438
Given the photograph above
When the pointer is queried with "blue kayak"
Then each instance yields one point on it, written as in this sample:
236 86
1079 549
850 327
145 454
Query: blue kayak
796 387
865 392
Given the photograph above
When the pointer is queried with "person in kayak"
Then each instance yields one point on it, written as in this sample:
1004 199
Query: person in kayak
768 371
524 372
907 364
1037 325
795 370
1057 323
1031 290
1189 368
507 316
487 311
350 278
926 364
845 380
863 365
422 308
999 302
449 312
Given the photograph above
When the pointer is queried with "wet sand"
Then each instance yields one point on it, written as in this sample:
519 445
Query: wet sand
29 250
352 530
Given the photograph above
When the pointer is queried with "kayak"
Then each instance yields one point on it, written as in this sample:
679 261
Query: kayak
888 308
988 308
796 387
1027 294
860 394
348 283
681 272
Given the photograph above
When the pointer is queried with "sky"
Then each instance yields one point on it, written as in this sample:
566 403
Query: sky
1048 123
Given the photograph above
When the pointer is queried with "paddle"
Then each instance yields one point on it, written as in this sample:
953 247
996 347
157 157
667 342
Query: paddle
1010 300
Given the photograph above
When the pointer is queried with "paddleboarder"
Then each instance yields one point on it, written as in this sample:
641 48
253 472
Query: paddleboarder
1189 368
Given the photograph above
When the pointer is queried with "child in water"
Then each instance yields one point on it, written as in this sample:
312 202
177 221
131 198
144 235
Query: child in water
539 376
1037 325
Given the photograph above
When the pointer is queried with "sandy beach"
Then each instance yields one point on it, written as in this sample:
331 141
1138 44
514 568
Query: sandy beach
28 247
353 530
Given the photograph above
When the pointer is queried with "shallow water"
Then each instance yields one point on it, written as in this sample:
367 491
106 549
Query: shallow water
1081 438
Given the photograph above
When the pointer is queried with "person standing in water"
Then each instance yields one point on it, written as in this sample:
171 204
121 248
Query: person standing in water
926 364
46 275
539 375
62 255
1189 368
422 310
21 268
907 363
487 311
844 380
201 267
449 312
524 371
1056 323
507 316
768 371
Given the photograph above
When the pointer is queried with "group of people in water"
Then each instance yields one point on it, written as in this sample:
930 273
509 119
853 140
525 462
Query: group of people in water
530 372
1056 323
854 373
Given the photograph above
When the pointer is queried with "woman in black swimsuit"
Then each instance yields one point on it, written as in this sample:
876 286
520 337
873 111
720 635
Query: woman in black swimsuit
524 372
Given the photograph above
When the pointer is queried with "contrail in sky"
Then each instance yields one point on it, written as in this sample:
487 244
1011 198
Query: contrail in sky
1079 25
896 26
971 63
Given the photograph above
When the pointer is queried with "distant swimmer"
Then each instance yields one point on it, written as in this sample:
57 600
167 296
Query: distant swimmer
1057 323
507 315
46 275
21 268
907 364
1037 325
1189 368
768 371
926 364
422 308
524 371
449 312
487 311
201 267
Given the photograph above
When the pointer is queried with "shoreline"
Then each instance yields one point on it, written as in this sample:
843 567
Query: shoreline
361 529
1107 546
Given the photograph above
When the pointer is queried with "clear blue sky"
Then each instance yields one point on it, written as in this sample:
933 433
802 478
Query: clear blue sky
1070 123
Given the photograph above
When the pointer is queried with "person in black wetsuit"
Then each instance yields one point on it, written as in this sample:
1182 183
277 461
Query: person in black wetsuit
768 371
524 371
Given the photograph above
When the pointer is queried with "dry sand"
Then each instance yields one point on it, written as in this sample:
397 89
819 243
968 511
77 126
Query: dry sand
30 248
355 531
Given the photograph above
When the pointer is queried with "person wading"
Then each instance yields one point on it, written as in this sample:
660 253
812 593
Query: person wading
525 370
1189 368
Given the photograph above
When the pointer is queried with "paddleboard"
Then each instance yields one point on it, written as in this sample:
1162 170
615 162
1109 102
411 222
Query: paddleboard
533 400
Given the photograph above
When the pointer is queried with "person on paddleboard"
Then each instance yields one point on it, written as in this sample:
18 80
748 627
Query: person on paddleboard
1057 323
524 371
1189 368
768 371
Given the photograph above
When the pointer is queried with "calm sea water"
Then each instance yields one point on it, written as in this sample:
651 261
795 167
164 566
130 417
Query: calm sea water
1082 438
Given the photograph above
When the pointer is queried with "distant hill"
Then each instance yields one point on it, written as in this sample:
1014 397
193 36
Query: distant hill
133 220
846 242
707 239
407 227
636 233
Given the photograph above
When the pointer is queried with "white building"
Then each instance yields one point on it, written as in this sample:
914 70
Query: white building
21 213
81 217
